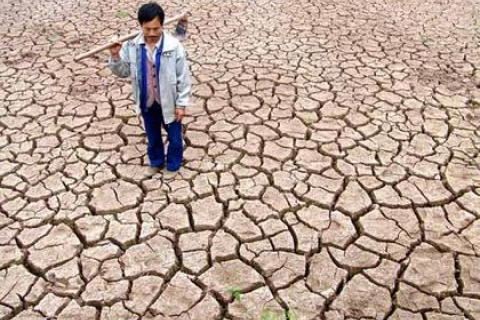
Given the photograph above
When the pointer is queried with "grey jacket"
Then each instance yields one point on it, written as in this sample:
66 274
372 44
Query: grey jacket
174 78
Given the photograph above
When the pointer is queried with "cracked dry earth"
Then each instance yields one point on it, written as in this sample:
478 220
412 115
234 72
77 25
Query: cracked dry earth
332 165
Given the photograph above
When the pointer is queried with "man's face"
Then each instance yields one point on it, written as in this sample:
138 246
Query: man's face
152 30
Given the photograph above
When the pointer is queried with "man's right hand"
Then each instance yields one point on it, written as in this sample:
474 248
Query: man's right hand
115 48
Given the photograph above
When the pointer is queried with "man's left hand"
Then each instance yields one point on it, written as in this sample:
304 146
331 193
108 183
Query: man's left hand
179 114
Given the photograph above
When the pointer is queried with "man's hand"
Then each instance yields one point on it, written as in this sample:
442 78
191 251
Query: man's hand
179 114
115 48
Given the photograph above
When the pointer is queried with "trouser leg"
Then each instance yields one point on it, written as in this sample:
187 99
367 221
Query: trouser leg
152 119
175 145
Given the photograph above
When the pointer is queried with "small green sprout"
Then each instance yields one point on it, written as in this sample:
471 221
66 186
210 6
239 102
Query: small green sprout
235 293
290 315
121 14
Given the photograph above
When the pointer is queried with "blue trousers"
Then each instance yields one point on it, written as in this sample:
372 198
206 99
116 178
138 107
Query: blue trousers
153 122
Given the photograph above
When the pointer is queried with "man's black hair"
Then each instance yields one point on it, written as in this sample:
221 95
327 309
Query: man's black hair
150 11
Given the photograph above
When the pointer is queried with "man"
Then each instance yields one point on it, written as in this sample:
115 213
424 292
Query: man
158 68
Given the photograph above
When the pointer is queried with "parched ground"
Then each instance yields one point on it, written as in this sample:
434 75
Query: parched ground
332 166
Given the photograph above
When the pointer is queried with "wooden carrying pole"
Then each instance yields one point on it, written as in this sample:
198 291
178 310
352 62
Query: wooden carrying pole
124 38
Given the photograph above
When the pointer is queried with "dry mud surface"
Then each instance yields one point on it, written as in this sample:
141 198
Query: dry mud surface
331 170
